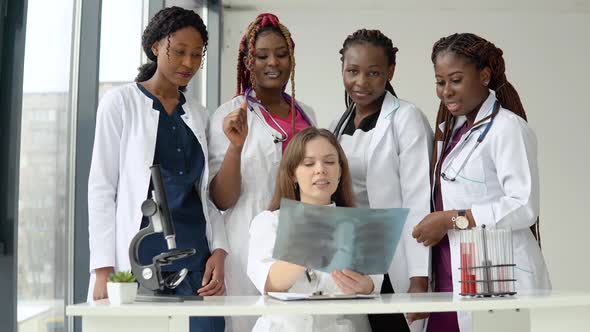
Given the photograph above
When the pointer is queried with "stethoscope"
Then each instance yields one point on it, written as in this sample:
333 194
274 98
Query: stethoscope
276 139
344 119
496 108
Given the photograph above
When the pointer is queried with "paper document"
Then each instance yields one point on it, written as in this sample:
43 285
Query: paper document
302 296
328 238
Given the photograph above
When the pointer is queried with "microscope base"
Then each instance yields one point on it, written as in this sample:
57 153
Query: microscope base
167 298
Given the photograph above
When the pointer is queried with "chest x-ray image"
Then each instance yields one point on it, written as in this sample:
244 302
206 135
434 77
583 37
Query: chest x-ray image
328 238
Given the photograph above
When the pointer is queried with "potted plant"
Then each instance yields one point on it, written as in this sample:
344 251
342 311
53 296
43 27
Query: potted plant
121 287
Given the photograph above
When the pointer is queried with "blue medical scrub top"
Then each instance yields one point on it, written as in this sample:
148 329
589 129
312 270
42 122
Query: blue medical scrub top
181 159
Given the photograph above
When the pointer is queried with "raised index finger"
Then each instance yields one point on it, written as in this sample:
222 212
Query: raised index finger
244 106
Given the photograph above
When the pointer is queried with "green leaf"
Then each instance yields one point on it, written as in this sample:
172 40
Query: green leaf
121 276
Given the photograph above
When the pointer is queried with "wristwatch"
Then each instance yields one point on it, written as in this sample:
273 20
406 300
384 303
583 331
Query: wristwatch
461 221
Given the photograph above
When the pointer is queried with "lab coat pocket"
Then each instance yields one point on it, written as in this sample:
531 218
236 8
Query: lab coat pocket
470 179
524 271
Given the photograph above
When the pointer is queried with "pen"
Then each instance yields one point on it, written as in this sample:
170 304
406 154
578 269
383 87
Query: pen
310 275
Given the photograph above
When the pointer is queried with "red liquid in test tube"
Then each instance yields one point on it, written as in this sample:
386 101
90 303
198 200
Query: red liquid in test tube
467 271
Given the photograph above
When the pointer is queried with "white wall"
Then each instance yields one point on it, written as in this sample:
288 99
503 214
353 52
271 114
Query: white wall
546 45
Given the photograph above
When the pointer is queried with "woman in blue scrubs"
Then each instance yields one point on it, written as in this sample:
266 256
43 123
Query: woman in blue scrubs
152 122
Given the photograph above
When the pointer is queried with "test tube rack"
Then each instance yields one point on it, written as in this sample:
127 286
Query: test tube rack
487 262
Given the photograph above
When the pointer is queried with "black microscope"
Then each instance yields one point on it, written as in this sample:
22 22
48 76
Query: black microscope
160 221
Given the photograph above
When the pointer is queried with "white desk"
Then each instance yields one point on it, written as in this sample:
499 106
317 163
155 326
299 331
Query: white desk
538 311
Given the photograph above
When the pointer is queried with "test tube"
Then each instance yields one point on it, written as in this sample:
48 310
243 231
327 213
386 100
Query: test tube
502 261
473 264
470 272
495 262
463 256
465 261
487 262
511 258
508 241
479 262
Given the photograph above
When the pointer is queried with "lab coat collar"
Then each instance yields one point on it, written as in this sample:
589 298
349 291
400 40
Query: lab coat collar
389 105
485 110
157 105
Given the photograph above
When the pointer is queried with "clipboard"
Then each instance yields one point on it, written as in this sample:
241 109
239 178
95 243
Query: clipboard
284 296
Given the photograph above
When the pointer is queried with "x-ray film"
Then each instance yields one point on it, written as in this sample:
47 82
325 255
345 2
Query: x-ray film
329 238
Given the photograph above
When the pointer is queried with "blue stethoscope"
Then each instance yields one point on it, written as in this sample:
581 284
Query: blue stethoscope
496 108
283 133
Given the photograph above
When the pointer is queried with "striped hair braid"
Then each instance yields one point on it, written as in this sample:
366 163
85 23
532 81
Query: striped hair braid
251 55
246 56
243 67
291 46
483 54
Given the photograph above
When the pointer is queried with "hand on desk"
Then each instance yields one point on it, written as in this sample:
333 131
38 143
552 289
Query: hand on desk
351 282
100 285
417 285
213 278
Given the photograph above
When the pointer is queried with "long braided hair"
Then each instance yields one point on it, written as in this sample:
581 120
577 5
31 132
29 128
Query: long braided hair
162 25
375 38
482 54
263 23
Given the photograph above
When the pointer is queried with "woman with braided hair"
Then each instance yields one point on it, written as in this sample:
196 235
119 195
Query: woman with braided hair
247 138
484 168
152 122
388 143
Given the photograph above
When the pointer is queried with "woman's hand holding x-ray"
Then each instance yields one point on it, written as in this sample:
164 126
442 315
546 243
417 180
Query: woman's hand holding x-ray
351 282
235 125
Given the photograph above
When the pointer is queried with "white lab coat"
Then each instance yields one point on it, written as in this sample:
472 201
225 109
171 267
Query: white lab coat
398 175
263 233
500 184
124 147
259 164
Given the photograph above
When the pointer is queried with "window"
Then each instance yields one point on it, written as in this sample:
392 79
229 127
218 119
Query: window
42 239
120 42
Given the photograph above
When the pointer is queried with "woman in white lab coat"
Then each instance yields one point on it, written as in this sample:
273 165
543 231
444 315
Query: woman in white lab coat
153 122
485 167
247 138
313 170
388 143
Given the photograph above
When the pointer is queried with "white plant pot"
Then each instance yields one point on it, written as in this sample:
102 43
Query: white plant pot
121 292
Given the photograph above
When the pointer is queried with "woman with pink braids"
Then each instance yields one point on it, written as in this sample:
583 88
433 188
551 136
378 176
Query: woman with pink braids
247 137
